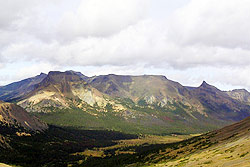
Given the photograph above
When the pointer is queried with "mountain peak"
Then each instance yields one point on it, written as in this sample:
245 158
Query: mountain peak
41 74
204 83
208 87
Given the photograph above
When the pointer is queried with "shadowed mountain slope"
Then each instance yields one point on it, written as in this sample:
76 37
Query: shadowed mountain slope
14 120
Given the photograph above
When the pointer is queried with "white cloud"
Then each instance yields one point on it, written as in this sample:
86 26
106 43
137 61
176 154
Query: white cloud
35 69
101 17
136 43
20 70
215 23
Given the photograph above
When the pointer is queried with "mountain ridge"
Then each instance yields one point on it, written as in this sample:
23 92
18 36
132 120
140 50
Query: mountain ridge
140 101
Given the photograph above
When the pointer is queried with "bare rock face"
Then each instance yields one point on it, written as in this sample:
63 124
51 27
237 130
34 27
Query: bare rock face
14 115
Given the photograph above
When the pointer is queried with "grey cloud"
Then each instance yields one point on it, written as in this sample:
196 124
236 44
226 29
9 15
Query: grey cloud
11 11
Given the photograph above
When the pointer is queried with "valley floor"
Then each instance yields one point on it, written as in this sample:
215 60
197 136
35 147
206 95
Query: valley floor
120 145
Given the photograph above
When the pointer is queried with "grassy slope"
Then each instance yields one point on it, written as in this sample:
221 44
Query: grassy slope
233 153
230 146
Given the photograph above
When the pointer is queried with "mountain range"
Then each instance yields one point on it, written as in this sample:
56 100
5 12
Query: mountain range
148 104
69 119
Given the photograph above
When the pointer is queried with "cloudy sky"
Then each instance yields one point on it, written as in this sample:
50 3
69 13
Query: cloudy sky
186 40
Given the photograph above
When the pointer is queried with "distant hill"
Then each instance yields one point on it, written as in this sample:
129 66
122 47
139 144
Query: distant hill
16 90
220 104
